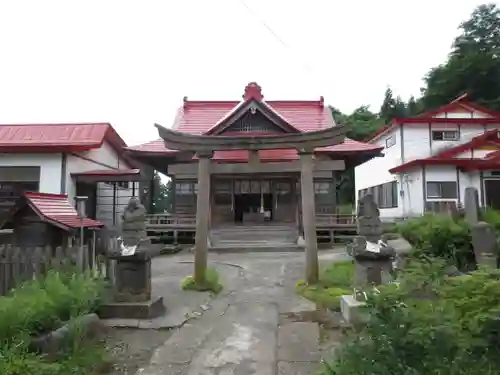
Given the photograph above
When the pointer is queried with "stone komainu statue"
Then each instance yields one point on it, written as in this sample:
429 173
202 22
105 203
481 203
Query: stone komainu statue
134 223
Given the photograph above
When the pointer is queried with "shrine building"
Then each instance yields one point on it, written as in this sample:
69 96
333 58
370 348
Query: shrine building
254 162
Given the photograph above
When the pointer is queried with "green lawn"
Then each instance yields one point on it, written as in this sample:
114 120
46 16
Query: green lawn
335 280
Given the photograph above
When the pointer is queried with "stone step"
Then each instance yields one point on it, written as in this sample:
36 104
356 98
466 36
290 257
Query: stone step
246 249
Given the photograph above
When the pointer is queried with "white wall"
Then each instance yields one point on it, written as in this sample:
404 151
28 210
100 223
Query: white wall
50 168
107 158
376 171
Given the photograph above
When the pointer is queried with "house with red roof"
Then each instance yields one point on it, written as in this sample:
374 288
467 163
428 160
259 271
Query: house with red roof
429 160
257 185
85 159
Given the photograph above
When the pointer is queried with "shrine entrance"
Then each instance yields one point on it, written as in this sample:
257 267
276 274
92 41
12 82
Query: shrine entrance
253 208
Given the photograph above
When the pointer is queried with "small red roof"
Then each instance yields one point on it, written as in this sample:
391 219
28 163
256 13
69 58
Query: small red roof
56 209
57 137
462 103
448 156
108 172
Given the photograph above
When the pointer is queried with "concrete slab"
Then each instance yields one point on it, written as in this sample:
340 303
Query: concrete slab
297 368
298 342
239 333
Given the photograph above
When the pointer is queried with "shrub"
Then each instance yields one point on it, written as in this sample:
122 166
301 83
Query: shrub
440 236
428 324
211 283
335 281
42 305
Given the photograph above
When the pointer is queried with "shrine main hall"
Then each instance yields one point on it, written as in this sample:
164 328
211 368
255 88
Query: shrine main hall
254 162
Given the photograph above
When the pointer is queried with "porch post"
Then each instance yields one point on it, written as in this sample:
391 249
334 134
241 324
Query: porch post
309 215
202 217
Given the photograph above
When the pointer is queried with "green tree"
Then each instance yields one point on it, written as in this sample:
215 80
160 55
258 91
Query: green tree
162 195
473 66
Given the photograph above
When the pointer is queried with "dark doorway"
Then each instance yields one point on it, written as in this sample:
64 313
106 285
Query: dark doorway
492 192
88 190
251 203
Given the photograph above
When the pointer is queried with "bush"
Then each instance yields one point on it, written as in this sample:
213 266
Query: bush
440 236
39 306
211 283
428 324
335 281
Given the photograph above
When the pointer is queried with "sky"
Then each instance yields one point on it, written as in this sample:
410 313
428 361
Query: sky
130 63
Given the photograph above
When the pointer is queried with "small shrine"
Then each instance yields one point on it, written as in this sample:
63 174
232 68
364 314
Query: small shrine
41 219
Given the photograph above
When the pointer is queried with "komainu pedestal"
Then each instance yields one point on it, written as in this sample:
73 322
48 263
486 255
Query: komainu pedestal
373 259
132 290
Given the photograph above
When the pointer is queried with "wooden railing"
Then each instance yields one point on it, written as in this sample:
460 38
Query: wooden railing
188 221
164 221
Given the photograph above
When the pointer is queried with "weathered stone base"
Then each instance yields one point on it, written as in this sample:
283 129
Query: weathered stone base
351 309
133 310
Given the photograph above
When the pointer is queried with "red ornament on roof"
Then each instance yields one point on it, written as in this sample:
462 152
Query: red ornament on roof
253 91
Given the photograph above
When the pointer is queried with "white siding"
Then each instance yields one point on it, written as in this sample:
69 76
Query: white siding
108 156
376 171
418 144
50 168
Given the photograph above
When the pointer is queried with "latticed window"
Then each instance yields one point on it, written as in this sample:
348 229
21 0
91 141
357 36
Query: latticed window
249 122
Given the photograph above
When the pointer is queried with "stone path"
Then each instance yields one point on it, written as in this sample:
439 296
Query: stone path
245 330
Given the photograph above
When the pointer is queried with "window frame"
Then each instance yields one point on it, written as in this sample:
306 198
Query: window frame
456 136
390 141
384 195
440 194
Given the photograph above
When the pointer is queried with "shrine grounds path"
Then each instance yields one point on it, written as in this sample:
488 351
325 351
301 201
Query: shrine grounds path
249 328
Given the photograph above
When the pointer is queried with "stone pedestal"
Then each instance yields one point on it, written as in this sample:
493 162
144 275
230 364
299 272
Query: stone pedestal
352 310
132 293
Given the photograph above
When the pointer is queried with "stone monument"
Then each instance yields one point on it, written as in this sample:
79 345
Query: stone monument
132 290
483 235
373 258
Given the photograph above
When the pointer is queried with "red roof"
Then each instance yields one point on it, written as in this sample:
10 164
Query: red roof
202 117
448 156
56 209
108 172
461 103
57 137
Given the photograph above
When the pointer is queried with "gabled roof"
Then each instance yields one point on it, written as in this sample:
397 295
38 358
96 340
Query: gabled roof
57 210
448 156
463 103
253 100
57 137
459 104
205 117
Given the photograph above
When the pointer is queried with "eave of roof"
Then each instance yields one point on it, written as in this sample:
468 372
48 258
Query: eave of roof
58 137
56 209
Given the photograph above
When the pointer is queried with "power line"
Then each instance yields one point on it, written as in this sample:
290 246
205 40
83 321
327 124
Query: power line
305 65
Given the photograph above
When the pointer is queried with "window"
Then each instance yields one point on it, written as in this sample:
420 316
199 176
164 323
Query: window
322 187
384 195
391 141
119 184
445 135
186 188
10 191
442 190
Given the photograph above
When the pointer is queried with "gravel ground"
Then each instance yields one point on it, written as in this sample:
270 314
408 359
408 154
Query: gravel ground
131 349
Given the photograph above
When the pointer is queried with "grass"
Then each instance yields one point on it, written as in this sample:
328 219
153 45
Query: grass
335 281
40 306
211 284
